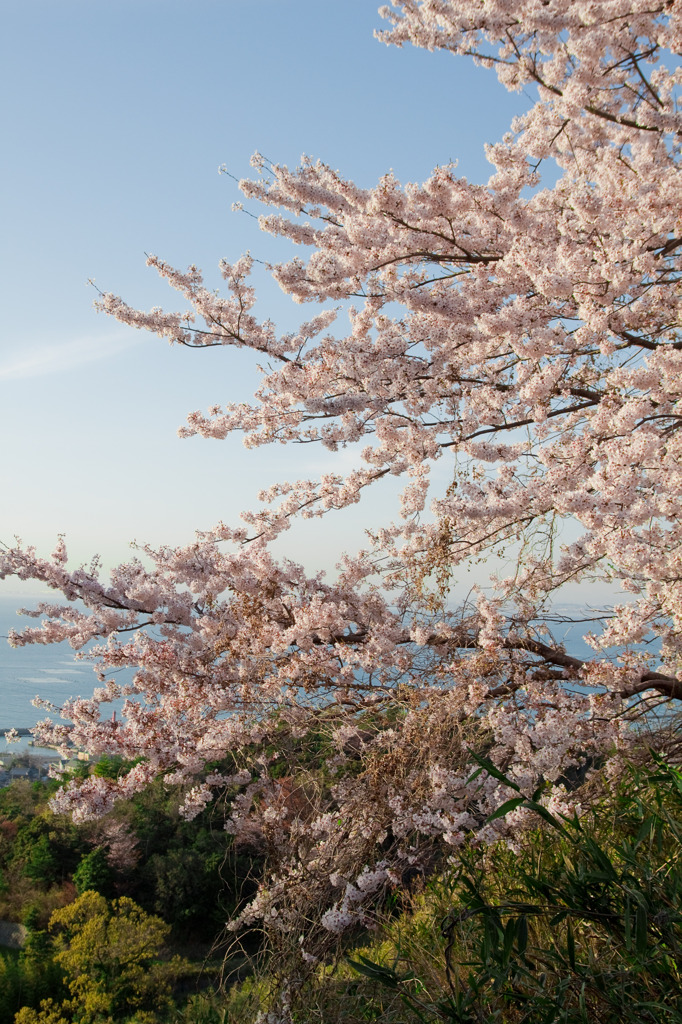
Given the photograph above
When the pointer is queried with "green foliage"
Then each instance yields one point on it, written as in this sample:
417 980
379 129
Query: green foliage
47 847
42 864
31 915
79 770
186 871
11 985
111 766
49 1013
28 976
93 873
109 954
190 873
19 800
204 1009
182 886
46 859
584 924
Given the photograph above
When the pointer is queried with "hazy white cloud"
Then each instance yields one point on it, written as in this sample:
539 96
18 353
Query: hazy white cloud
61 356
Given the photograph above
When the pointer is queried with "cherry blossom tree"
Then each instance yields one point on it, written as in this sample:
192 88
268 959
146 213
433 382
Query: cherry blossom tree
525 336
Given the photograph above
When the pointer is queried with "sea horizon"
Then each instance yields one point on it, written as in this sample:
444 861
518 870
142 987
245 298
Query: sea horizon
49 671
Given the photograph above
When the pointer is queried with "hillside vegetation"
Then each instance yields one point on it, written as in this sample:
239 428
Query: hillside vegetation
579 921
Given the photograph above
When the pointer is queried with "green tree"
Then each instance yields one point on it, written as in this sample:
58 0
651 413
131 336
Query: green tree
49 1013
28 977
93 873
110 953
109 766
42 863
47 848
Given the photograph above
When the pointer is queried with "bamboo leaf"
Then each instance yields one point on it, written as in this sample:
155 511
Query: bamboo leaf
487 765
570 944
505 808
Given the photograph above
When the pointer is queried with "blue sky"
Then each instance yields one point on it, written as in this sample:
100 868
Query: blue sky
115 120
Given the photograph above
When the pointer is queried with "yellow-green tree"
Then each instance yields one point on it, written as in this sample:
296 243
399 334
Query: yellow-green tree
110 953
49 1013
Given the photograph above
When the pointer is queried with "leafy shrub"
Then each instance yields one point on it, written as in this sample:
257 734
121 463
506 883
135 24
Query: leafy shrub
583 924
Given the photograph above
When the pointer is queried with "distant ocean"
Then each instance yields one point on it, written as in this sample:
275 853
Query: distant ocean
38 669
49 671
